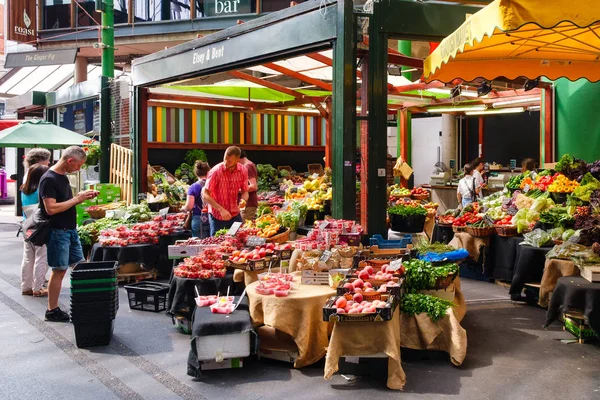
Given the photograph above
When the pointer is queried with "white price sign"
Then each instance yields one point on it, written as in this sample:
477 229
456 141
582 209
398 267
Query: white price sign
234 228
395 265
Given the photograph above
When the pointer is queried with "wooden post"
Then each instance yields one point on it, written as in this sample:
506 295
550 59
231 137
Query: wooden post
546 115
405 140
73 11
131 11
480 149
328 136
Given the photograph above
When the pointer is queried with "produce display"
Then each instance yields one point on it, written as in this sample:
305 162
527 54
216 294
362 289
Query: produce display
398 191
419 192
267 226
357 305
423 275
277 284
414 304
562 184
404 211
141 233
267 176
206 265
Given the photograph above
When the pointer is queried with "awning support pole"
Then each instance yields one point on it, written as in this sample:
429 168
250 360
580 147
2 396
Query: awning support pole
108 71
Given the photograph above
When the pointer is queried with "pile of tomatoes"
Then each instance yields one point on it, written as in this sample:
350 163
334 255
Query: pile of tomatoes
467 218
505 221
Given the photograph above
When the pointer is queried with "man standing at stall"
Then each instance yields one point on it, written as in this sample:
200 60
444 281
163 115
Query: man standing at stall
249 212
225 182
58 204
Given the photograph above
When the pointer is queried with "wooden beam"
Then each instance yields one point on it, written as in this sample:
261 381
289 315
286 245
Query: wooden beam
131 11
223 146
301 77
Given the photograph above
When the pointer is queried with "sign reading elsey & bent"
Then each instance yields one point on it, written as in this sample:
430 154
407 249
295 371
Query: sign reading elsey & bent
22 17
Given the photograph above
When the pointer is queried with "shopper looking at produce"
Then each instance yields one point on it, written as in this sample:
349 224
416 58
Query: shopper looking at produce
478 167
200 225
528 165
249 212
37 156
34 265
467 190
58 204
225 182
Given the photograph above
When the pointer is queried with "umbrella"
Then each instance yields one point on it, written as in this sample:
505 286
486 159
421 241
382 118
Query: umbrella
530 38
40 133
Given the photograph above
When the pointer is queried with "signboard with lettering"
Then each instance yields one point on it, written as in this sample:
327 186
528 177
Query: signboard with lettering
221 8
22 20
40 58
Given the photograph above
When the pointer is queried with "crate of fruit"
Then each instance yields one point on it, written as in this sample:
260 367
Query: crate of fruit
340 309
352 285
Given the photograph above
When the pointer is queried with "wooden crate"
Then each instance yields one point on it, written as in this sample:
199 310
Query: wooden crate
137 276
121 171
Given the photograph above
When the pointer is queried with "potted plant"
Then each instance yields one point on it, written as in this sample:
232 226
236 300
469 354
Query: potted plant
407 218
92 149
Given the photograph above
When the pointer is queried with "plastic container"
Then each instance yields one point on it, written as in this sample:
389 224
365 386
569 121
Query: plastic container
378 240
93 297
147 296
105 283
93 334
412 224
94 270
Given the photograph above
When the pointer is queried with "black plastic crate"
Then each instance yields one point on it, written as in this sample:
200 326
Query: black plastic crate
103 283
93 319
147 296
95 307
94 270
94 334
95 296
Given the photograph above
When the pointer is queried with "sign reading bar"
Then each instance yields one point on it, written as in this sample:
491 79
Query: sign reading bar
22 19
40 58
220 8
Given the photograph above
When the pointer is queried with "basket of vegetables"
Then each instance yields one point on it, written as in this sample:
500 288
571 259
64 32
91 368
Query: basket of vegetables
407 218
96 212
483 228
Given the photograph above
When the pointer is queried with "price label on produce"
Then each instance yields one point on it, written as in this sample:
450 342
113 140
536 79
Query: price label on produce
234 228
110 214
526 189
326 256
253 241
488 219
163 212
126 216
324 225
395 265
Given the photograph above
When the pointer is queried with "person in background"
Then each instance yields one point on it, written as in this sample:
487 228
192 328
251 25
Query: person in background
528 165
225 182
478 165
249 212
58 204
200 225
37 156
467 190
34 265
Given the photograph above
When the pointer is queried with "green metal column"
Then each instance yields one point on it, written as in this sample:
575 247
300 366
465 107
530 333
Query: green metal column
377 156
108 71
405 47
344 114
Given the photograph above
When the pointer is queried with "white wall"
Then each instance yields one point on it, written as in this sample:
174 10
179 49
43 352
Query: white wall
392 141
425 142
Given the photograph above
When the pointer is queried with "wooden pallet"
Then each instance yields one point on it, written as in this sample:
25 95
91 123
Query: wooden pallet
137 276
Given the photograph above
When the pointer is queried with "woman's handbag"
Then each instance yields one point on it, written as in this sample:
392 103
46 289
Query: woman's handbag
187 223
36 228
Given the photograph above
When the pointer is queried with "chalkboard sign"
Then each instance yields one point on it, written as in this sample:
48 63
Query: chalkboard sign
513 163
253 241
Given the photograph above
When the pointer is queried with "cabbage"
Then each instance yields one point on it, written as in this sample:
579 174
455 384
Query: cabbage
567 234
557 233
524 218
541 204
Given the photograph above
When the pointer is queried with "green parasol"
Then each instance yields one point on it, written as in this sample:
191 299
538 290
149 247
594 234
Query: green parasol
40 133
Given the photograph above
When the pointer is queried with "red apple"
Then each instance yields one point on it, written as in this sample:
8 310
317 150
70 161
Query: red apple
384 267
340 311
358 297
363 275
369 269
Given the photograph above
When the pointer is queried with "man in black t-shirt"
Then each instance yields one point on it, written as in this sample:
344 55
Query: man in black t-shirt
57 203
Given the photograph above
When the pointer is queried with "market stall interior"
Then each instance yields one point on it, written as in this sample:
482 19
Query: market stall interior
317 295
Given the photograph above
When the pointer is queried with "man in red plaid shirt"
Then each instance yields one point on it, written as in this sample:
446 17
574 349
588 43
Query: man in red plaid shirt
224 184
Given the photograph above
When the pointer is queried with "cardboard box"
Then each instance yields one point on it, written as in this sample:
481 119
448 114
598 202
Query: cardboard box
315 281
590 272
223 347
225 364
286 356
182 251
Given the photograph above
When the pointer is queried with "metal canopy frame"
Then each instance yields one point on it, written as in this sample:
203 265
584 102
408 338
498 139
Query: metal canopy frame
306 29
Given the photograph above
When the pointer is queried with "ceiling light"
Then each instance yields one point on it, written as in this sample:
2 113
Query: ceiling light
456 109
498 111
484 89
303 110
515 101
531 84
533 108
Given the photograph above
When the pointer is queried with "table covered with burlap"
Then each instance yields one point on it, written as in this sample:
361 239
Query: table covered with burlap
299 315
472 244
553 270
365 339
419 332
